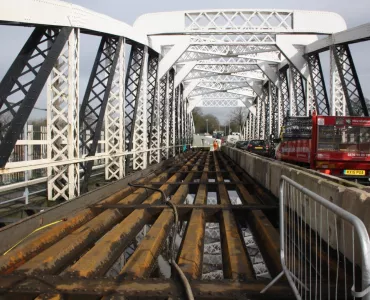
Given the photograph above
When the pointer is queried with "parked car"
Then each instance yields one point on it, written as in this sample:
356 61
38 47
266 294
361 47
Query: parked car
242 145
258 147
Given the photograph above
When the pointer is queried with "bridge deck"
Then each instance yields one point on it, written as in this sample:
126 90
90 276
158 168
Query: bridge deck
227 241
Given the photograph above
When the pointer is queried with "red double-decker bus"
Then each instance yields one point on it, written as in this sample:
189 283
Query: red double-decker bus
334 145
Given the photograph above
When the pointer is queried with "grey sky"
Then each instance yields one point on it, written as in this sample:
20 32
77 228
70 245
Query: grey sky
355 12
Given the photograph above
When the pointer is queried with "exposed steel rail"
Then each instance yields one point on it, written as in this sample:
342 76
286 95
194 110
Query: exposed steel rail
129 233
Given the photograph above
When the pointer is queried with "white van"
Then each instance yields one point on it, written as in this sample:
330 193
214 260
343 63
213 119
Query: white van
232 139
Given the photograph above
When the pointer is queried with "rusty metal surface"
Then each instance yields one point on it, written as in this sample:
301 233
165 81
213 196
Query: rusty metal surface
12 233
127 233
236 264
96 262
143 259
144 288
266 234
191 253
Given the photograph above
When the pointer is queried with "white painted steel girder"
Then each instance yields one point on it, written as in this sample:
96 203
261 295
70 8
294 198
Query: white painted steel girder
64 14
240 20
63 123
352 35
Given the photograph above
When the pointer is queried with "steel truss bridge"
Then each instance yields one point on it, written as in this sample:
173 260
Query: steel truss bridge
265 60
132 123
137 108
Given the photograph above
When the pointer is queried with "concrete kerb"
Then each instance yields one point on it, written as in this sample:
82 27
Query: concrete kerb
268 172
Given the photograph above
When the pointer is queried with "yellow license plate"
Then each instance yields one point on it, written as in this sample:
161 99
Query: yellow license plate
354 172
258 147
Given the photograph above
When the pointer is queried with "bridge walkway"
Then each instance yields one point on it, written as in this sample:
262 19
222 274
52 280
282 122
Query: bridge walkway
226 240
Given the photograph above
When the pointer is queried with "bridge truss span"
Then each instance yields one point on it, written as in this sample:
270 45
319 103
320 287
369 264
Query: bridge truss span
147 78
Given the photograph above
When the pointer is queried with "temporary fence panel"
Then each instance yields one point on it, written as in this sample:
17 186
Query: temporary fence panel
324 250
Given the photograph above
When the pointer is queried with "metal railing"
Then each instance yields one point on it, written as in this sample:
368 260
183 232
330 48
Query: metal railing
325 250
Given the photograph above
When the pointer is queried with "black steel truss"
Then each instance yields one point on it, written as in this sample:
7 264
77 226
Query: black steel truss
95 101
265 98
252 120
275 109
177 115
152 111
318 85
351 85
181 115
183 101
284 89
187 123
133 83
24 81
299 92
162 113
262 111
171 107
258 117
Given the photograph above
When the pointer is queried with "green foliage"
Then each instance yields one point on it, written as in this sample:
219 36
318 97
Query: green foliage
200 121
37 122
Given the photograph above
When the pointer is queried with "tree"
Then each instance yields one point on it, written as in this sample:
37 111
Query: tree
367 101
238 117
38 122
213 123
200 122
5 119
197 118
231 126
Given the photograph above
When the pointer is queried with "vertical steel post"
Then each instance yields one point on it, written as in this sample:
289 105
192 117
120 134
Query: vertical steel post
115 121
95 101
337 99
63 121
29 72
163 87
140 130
284 93
171 113
320 96
350 83
132 92
153 108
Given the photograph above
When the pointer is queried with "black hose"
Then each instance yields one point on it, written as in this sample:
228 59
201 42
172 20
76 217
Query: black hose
183 278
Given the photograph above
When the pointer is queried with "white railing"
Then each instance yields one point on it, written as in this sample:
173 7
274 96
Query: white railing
20 168
30 152
324 250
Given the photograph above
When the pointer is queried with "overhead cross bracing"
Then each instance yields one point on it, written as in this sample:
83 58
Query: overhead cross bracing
213 45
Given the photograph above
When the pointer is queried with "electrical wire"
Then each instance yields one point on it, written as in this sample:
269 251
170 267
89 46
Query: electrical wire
183 278
37 229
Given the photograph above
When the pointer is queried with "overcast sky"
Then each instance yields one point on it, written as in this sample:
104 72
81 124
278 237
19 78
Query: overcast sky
355 12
